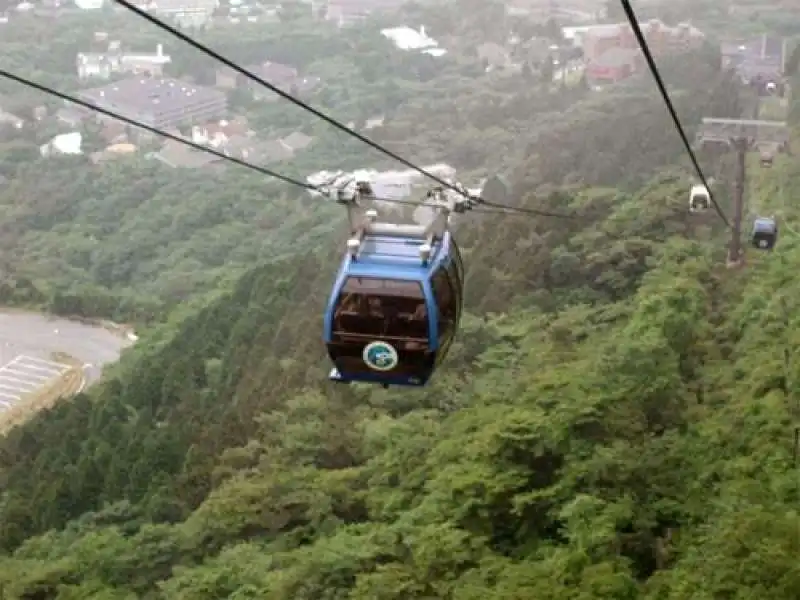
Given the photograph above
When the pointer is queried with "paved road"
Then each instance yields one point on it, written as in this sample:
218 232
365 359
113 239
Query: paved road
26 337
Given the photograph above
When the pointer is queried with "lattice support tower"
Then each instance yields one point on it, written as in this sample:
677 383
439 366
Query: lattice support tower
744 135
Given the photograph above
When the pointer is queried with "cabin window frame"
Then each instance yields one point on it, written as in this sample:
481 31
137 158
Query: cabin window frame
414 291
455 268
443 276
458 263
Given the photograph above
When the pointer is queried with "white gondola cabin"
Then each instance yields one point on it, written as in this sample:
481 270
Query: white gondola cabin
699 198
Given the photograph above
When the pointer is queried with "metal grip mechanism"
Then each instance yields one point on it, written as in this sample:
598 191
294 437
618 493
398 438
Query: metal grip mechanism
349 192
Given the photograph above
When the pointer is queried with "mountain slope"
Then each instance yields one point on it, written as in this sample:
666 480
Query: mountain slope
616 401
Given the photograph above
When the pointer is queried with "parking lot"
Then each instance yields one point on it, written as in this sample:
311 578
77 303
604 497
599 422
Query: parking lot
24 375
30 345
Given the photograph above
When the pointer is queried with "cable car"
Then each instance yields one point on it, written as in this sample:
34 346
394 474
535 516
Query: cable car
397 300
699 199
767 157
765 233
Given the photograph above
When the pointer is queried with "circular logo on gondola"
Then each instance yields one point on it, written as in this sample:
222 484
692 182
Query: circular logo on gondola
380 356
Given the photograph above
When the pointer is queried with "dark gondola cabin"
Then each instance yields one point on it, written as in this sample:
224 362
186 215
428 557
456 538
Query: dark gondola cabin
394 309
765 233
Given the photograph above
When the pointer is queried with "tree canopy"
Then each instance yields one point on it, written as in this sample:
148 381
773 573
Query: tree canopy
615 420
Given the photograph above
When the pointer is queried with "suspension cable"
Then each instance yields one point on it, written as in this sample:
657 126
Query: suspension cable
165 134
212 151
319 114
651 63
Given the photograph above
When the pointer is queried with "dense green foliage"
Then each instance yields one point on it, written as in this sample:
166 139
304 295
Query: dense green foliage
130 239
614 421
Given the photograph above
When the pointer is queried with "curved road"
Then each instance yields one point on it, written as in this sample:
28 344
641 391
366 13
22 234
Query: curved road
40 336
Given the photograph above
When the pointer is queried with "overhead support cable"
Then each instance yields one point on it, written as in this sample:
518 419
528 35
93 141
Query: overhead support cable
651 63
176 32
321 189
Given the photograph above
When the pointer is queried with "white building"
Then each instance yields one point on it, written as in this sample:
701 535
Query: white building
406 38
66 143
103 65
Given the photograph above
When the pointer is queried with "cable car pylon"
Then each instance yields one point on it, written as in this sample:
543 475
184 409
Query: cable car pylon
744 135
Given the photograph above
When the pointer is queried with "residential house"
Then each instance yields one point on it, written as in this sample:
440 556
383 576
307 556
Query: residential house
598 41
112 152
350 12
574 10
160 103
217 133
257 151
103 65
235 139
281 76
285 77
614 65
187 13
177 155
374 122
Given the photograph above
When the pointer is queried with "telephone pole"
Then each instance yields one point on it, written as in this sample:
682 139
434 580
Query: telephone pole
743 135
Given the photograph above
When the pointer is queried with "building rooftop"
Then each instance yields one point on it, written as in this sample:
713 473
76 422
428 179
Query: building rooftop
176 155
158 57
146 95
616 57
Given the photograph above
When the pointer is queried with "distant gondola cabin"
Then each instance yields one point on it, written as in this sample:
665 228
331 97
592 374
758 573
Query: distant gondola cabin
765 233
699 198
392 315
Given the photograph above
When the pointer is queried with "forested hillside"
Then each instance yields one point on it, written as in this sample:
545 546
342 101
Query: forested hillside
615 420
131 239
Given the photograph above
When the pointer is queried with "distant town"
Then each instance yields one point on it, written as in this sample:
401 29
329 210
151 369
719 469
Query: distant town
136 84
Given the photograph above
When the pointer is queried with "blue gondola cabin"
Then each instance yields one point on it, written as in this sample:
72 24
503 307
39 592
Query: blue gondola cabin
396 303
392 315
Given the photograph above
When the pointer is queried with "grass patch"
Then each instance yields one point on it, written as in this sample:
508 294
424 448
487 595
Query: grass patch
772 108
